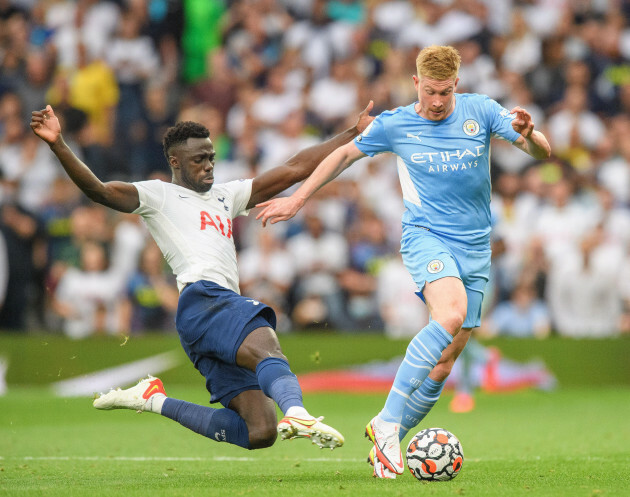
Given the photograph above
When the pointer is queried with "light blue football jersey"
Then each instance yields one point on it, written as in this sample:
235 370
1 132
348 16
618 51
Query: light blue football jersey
444 166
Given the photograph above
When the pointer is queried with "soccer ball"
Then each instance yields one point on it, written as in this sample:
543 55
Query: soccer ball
435 454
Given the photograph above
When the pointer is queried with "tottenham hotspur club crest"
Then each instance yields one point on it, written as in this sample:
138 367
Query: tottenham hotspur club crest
222 200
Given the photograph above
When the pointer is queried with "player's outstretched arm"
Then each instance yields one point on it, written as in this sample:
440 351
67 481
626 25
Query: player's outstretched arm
531 141
302 164
283 209
115 194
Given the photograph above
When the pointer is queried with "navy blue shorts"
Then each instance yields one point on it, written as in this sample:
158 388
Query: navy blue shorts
212 322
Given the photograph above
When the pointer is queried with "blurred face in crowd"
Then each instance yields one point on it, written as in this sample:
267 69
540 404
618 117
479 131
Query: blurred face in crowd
436 98
152 260
93 257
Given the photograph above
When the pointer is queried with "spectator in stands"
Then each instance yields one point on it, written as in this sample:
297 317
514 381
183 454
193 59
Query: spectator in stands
320 257
86 297
91 87
401 310
369 249
267 273
256 47
523 315
562 220
574 130
21 233
583 290
134 60
332 98
151 295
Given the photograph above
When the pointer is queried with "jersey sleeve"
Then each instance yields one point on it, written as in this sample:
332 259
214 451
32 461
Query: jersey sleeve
241 193
374 139
151 194
500 121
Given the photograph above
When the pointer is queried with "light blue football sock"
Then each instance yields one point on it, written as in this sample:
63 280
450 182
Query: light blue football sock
423 353
419 404
278 382
222 425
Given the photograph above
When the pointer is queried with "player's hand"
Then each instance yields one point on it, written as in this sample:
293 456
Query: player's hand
279 209
522 123
45 124
365 118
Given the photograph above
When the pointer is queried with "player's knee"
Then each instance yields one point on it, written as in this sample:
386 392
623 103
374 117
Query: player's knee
453 320
262 437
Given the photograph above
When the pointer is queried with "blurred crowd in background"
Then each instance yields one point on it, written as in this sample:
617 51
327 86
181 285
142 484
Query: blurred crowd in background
271 77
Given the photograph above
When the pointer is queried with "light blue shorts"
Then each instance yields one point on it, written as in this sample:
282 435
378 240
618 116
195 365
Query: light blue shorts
429 257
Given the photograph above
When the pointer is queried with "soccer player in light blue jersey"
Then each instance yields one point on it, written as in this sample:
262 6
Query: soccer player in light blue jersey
442 143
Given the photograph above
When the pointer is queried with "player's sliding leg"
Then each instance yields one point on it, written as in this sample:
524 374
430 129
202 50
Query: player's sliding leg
222 425
261 352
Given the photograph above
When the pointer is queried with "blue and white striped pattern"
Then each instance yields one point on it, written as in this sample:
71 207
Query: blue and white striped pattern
423 353
419 404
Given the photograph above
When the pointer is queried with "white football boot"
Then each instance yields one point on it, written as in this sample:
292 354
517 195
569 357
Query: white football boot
320 434
384 436
380 471
141 397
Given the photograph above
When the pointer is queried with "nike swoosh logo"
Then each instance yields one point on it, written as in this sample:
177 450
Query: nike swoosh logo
303 422
154 387
183 196
150 391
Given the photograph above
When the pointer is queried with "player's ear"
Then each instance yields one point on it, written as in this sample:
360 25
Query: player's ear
173 162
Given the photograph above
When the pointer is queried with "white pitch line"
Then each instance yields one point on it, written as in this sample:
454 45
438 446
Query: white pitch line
242 459
169 459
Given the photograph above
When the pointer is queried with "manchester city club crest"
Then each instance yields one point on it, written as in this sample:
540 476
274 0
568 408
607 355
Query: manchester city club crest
435 266
471 127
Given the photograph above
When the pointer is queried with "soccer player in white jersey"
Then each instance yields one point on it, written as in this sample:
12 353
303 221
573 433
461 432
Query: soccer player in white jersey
229 338
443 146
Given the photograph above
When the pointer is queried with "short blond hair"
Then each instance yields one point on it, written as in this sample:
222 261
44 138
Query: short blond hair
438 62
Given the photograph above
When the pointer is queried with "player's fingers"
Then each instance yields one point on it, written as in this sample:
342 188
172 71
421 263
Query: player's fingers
369 107
50 111
265 213
277 219
264 217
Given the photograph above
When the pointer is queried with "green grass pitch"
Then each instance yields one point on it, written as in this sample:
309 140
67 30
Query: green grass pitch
571 442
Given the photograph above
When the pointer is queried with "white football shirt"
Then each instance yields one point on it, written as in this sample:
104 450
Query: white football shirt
194 230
